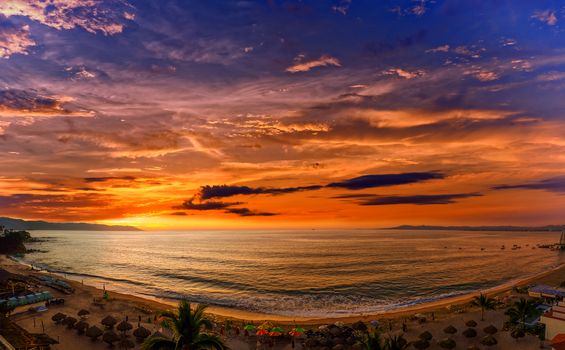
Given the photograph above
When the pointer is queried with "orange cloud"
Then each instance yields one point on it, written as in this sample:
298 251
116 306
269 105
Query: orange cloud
304 66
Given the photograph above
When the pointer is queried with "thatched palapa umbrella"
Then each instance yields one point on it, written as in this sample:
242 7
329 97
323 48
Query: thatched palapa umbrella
450 330
124 326
490 329
448 343
470 333
110 337
83 313
125 343
518 333
93 332
109 321
81 326
58 317
69 321
140 333
471 323
489 340
359 326
426 336
421 344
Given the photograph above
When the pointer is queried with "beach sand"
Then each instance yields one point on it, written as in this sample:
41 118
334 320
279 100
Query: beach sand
453 311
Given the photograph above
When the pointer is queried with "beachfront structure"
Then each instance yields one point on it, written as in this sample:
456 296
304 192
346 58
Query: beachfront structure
14 337
27 299
554 320
544 291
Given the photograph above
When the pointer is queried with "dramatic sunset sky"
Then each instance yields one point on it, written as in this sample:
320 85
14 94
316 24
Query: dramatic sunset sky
267 114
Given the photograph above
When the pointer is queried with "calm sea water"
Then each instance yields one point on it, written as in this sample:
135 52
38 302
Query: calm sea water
303 273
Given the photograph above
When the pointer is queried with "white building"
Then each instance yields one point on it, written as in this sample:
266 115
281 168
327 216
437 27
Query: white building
554 320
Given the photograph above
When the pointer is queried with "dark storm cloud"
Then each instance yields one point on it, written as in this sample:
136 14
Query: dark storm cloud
208 192
196 203
248 212
193 204
362 182
555 184
370 181
108 178
417 199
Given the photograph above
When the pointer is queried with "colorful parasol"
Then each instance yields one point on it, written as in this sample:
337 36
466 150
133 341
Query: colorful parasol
262 332
249 327
275 334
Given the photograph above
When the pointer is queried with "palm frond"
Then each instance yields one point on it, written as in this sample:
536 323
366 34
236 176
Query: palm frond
207 341
158 343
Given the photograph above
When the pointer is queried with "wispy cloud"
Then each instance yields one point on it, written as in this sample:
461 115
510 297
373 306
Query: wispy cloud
23 103
301 65
546 16
14 40
105 17
417 199
555 184
404 73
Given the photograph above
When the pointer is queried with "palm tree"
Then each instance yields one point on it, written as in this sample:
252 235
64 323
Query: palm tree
371 341
187 326
485 303
395 342
521 310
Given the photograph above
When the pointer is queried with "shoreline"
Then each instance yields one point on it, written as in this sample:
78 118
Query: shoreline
252 316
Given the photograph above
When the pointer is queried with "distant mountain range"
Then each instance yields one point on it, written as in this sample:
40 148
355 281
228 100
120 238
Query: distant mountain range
551 228
17 224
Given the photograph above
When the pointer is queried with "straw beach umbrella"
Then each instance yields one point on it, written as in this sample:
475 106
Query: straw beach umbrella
125 343
448 343
518 333
471 323
83 313
490 329
470 333
81 326
70 322
426 336
124 326
421 344
450 330
110 337
93 332
109 321
58 317
489 340
140 333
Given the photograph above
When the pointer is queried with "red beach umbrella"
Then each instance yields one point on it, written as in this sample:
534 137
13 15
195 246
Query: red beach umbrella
262 332
275 334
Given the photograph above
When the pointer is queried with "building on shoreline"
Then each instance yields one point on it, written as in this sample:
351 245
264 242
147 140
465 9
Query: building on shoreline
554 320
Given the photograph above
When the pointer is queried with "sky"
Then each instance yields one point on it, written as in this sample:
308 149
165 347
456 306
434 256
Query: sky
177 114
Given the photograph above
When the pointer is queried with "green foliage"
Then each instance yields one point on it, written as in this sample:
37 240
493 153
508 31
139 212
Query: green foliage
521 310
17 235
485 303
395 342
5 309
187 326
371 341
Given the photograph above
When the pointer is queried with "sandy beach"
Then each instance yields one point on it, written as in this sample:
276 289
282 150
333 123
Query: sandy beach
452 311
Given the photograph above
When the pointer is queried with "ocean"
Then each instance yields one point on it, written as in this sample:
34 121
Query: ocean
316 273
